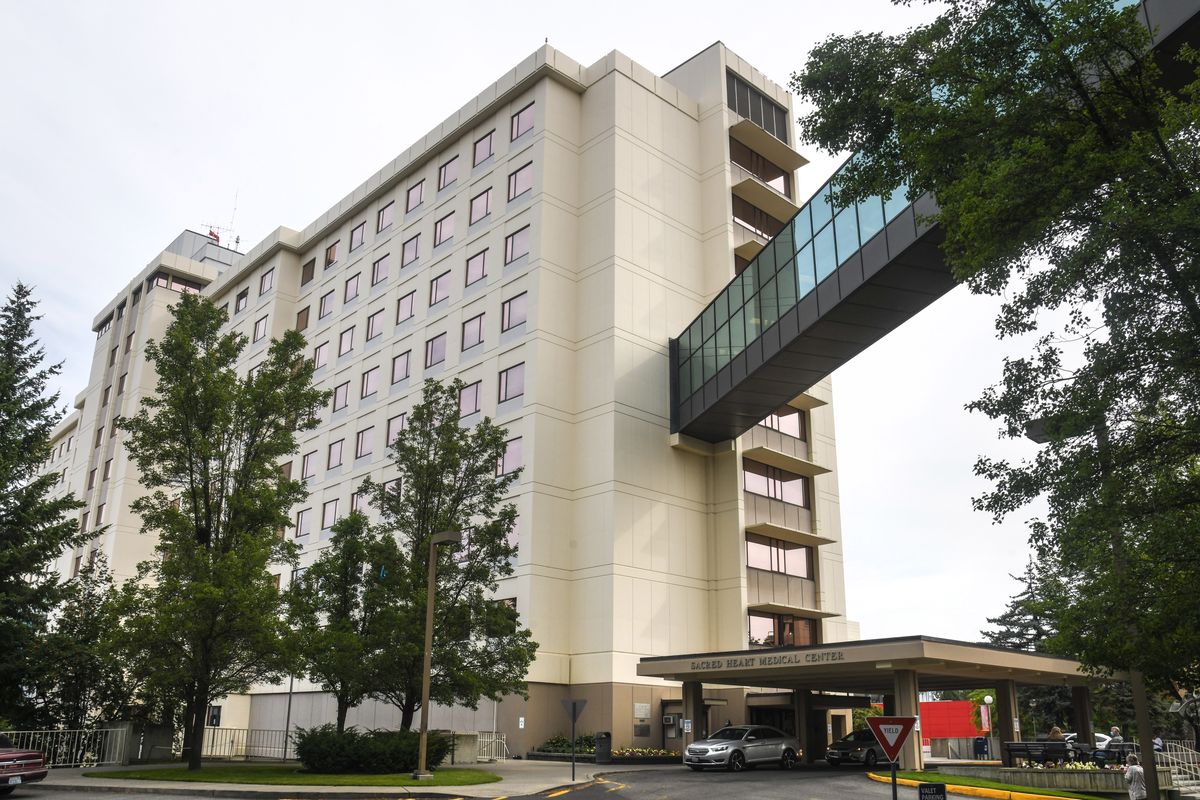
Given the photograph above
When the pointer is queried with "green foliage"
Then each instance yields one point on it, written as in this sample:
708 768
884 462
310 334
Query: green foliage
34 526
446 480
324 749
1067 177
204 615
335 610
584 743
859 715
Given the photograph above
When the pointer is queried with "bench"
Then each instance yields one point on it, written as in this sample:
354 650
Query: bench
1115 753
1041 752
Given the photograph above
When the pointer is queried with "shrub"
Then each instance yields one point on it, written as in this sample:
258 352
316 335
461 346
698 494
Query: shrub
584 743
322 749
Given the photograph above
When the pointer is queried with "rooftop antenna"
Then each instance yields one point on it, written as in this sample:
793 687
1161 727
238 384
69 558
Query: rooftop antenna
227 231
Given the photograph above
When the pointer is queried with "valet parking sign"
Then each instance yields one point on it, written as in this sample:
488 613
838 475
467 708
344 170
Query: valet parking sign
892 733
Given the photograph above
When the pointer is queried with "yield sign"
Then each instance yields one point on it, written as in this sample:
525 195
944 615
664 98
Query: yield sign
891 732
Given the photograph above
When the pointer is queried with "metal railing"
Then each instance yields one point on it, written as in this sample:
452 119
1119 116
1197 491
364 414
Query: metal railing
1184 763
75 748
493 746
245 743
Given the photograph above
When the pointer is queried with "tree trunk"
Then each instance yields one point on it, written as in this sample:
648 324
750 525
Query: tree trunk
407 712
343 707
199 708
189 711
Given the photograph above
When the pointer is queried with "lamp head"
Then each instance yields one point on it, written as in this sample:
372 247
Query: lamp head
447 537
988 699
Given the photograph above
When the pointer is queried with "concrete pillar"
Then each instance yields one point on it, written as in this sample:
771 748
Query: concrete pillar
908 704
1006 724
801 703
889 705
1081 715
693 709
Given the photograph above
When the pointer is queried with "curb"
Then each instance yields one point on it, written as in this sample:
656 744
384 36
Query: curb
969 791
266 793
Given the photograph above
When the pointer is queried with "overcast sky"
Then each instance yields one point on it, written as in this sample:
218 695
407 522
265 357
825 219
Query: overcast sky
126 122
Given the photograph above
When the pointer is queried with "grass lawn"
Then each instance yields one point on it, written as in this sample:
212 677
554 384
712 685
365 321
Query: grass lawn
293 775
960 780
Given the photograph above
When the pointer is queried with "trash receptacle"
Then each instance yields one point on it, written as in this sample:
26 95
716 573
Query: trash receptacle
603 747
981 747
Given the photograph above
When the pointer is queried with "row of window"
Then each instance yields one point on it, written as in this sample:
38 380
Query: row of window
787 420
511 386
778 484
448 172
511 461
780 630
776 555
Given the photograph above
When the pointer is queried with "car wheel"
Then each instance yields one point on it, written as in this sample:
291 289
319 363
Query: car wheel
870 759
695 767
6 790
789 759
833 762
737 761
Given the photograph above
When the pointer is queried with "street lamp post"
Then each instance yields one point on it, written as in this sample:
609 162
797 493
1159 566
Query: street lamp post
441 537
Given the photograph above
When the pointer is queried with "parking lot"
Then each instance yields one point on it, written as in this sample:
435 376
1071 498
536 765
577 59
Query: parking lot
813 782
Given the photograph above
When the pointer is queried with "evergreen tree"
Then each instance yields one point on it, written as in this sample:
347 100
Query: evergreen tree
448 480
35 528
206 613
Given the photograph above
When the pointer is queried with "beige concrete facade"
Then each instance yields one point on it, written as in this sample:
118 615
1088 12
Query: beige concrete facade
632 542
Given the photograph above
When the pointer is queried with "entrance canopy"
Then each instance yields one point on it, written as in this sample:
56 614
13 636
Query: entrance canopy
869 666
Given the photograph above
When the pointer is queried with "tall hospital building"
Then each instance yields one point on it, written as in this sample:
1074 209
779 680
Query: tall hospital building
544 244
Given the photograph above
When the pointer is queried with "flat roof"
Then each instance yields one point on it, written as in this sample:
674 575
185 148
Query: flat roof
868 666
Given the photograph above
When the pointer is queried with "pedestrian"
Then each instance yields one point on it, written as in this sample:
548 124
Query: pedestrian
1158 742
1115 736
1135 777
1056 734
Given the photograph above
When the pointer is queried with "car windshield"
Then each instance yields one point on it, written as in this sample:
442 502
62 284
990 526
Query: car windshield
729 733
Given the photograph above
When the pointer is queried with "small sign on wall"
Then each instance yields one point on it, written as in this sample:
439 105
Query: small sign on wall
641 711
687 726
521 723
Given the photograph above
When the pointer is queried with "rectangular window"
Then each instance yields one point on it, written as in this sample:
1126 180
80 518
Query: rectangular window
375 325
91 482
520 181
308 465
443 229
448 173
516 245
129 341
303 522
104 397
326 305
335 454
477 267
302 319
410 251
481 206
511 460
379 270
435 350
404 307
112 357
107 470
395 425
120 391
512 382
346 341
260 329
351 288
370 382
320 355
100 513
331 254
415 196
358 503
400 367
483 148
308 271
439 288
780 630
266 282
357 236
522 121
341 396
362 442
775 483
513 311
99 435
329 514
468 398
383 219
787 420
774 555
472 332
243 300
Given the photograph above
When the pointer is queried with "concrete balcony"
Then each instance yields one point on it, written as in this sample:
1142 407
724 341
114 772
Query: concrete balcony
746 243
779 520
769 446
754 190
777 593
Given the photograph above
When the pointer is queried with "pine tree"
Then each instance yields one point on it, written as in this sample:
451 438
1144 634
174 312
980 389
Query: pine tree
34 528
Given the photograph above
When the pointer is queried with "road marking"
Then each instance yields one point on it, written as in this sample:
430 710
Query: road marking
559 793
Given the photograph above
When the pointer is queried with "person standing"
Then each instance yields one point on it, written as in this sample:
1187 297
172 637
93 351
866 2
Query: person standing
1135 777
1115 733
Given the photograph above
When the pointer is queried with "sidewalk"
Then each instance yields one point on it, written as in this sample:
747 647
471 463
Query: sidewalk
518 779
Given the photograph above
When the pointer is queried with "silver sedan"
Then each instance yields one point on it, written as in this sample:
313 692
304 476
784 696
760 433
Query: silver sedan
736 747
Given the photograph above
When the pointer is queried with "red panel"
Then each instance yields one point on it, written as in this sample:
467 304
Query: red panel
947 719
